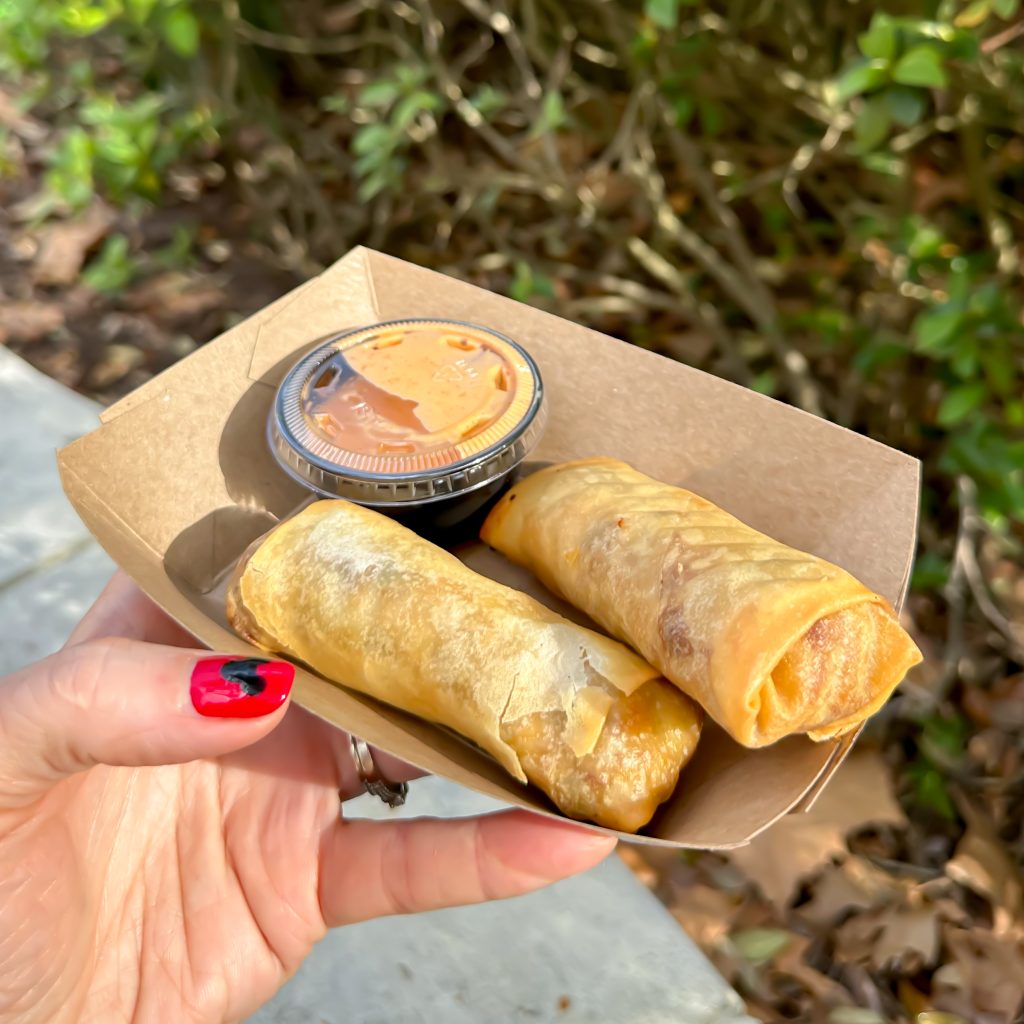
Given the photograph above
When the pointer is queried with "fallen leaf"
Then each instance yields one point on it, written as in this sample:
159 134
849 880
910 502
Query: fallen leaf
760 945
63 245
799 845
116 363
706 914
17 121
985 977
900 937
837 891
28 320
855 1015
792 961
983 865
174 297
909 939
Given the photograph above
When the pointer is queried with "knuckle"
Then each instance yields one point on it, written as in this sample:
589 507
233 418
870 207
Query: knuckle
398 870
76 678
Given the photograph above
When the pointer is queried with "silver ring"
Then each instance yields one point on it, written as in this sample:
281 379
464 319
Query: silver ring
392 793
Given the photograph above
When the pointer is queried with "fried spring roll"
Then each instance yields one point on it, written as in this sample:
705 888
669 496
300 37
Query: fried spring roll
769 640
367 603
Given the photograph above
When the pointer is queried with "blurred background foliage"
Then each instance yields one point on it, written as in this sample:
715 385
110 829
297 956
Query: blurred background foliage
823 201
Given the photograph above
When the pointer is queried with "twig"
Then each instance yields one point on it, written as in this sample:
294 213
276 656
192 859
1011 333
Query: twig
702 312
806 155
321 47
974 526
792 364
1000 39
955 592
735 241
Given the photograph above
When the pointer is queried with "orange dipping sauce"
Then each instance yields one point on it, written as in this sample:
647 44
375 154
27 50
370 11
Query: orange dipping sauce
410 389
408 413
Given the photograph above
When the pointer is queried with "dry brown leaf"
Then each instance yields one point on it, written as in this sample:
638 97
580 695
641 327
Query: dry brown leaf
985 977
834 893
706 914
903 937
909 938
17 121
63 246
115 364
983 865
799 845
174 297
791 961
28 320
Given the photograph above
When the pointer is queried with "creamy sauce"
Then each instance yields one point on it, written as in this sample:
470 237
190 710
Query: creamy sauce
410 390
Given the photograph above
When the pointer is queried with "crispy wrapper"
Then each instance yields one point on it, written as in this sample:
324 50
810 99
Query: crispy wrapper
769 640
367 603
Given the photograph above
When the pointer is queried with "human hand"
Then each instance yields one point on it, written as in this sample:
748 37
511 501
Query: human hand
160 864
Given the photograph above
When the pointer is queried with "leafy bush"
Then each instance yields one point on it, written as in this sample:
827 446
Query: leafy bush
818 201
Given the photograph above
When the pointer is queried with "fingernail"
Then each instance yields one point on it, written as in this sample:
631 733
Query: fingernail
240 687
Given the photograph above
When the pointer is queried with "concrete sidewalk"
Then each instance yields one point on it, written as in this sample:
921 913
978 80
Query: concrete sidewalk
598 949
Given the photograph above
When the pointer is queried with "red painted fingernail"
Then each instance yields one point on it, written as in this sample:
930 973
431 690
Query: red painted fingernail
240 687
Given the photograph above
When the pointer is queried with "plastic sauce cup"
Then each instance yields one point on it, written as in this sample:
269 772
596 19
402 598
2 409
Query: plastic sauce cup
425 420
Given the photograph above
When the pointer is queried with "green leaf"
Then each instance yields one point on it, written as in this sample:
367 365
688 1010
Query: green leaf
959 402
861 77
759 945
372 137
409 107
764 383
872 124
373 185
946 734
336 104
1001 371
926 241
181 31
973 14
930 791
664 13
552 114
879 42
1006 8
682 110
112 269
906 104
140 10
85 19
931 571
488 101
965 362
521 286
874 356
410 75
920 66
964 45
934 327
710 115
379 94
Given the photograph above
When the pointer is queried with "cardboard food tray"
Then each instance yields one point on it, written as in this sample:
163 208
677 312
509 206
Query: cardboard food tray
178 480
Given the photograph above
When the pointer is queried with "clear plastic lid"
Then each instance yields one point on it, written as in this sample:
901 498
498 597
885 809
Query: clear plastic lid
407 412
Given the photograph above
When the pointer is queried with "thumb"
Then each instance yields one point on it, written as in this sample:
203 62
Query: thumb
122 702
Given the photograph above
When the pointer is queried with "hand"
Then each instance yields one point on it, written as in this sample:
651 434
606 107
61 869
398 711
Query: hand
160 864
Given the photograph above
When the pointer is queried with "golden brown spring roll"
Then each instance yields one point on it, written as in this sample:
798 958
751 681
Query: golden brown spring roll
770 640
367 603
